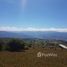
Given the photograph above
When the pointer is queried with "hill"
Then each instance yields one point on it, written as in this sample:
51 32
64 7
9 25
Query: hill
39 35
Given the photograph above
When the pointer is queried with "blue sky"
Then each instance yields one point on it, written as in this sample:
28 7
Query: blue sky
33 13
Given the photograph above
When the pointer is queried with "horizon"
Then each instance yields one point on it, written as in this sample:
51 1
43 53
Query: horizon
20 29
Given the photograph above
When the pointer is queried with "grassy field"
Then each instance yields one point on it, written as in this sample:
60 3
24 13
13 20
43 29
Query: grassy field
29 58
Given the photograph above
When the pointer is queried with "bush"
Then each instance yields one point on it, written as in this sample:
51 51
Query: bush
1 45
15 45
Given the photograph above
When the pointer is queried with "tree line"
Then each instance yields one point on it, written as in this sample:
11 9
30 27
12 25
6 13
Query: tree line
21 45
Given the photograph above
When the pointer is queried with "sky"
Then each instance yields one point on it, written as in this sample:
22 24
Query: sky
33 15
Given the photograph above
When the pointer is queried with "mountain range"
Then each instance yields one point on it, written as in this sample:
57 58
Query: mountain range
34 34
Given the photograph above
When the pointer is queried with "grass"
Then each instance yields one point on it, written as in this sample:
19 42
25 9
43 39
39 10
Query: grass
29 58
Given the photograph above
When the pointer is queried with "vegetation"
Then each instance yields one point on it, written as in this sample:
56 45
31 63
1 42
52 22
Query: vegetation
1 45
29 58
23 53
15 45
22 44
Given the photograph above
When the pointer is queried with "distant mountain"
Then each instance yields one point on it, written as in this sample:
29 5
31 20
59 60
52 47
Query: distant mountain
40 35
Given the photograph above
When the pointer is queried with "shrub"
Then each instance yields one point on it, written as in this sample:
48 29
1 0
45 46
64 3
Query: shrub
15 45
1 44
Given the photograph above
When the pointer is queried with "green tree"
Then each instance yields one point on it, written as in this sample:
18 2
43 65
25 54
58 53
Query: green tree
1 45
15 45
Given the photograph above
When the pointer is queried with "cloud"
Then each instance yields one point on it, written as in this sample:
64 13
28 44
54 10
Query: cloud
7 28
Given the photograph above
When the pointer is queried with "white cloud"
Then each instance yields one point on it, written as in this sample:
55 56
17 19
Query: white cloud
7 28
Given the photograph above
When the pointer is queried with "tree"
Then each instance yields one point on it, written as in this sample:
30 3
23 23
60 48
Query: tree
1 45
15 45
